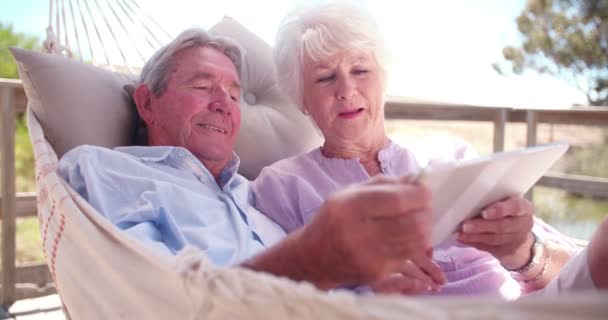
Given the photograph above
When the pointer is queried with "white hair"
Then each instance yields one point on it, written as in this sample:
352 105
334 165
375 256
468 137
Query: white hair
155 73
316 34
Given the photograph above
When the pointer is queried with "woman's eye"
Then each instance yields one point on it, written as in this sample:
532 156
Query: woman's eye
201 87
326 78
360 71
235 99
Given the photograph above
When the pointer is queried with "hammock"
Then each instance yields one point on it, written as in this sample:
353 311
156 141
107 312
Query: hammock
101 273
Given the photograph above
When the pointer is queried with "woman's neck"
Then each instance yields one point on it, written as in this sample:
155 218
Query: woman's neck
367 153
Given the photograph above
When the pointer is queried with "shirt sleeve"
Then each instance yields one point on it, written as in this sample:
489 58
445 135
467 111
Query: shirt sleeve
272 195
102 181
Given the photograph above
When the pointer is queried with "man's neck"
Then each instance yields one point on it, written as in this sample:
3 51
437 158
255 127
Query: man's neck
215 168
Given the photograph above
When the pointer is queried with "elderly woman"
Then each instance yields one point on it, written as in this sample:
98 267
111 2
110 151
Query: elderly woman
331 62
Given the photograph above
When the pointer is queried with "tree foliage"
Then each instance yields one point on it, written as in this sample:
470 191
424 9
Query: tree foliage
8 38
566 38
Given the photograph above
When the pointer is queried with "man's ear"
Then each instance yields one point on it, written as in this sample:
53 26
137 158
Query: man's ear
143 101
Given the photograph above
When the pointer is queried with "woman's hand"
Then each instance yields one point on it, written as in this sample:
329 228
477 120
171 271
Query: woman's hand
504 230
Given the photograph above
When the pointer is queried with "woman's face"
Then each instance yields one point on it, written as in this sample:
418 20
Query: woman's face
345 96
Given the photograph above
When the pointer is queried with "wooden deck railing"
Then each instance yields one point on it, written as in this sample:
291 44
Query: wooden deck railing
28 281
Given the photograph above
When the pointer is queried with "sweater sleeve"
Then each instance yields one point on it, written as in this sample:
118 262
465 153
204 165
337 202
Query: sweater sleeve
274 194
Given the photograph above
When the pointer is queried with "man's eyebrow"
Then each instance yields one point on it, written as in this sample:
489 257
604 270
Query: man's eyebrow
201 75
208 76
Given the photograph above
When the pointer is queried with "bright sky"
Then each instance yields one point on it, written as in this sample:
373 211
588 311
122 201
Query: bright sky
441 50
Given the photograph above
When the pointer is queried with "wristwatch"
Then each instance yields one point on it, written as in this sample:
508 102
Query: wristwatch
538 252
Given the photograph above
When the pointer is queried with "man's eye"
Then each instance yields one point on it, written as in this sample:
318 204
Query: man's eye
201 87
234 98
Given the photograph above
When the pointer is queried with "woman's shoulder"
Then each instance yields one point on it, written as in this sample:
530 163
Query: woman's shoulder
295 165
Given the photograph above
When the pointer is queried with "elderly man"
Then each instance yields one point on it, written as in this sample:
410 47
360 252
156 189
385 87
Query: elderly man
183 189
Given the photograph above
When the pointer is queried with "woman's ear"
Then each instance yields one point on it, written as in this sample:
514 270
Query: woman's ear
143 101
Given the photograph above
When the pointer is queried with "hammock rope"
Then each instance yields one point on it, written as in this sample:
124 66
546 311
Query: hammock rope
118 33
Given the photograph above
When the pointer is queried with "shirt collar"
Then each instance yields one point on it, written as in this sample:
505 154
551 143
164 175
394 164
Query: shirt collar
180 157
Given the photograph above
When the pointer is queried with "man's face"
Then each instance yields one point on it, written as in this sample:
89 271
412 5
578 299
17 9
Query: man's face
200 108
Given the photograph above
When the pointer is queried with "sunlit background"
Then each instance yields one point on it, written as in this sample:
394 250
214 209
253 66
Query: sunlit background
441 50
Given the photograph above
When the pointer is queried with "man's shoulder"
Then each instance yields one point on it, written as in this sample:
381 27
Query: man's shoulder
88 153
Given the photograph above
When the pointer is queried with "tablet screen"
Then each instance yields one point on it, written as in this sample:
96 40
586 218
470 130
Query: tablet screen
461 189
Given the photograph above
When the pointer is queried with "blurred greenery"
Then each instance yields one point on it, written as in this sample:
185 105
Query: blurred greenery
590 160
8 38
567 39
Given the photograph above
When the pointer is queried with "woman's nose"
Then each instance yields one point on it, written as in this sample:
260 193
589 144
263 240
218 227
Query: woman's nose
345 89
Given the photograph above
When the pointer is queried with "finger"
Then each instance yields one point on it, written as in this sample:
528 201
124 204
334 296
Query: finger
491 239
503 225
411 270
381 179
413 285
512 206
398 283
385 200
430 268
407 248
409 179
406 227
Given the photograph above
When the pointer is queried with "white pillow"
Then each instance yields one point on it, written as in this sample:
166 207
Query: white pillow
272 128
75 103
80 104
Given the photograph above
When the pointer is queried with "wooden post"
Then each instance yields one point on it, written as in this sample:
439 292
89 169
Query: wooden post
7 145
500 123
531 126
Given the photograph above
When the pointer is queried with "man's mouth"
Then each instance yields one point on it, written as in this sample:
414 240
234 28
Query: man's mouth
212 128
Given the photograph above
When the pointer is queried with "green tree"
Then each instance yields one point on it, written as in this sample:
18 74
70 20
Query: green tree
8 37
24 158
568 39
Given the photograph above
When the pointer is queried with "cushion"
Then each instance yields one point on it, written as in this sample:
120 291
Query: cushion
80 104
75 103
272 128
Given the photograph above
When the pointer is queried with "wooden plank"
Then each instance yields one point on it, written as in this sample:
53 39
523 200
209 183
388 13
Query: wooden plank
8 193
399 108
34 273
33 280
430 111
30 291
25 205
589 116
594 187
500 123
531 127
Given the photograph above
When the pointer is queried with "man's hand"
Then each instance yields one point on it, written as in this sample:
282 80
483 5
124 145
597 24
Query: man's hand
365 232
504 230
360 235
412 279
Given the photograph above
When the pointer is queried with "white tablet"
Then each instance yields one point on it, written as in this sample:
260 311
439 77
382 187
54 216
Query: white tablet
461 189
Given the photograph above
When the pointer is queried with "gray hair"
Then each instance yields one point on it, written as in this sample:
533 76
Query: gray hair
155 72
317 33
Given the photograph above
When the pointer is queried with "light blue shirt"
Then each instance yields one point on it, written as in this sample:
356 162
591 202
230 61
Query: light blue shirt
165 197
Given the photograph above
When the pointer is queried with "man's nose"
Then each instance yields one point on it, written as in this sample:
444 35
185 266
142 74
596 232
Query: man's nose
221 100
